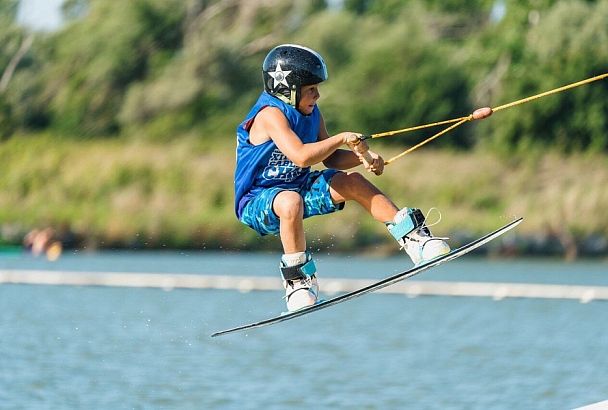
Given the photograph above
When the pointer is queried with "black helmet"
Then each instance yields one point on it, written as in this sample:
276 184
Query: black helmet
288 67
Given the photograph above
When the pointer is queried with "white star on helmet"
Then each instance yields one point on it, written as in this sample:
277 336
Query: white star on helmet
279 76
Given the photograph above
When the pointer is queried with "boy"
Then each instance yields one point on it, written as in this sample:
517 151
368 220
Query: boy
281 137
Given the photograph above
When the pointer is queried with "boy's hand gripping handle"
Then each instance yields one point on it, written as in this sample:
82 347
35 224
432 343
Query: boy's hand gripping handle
354 143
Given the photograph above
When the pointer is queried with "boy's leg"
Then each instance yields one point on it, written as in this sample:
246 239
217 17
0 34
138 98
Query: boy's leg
407 225
280 212
289 207
353 186
297 268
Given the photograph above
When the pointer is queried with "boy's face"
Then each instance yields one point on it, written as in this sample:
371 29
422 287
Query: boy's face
309 94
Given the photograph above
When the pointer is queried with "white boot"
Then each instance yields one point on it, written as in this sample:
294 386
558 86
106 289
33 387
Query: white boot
299 280
409 228
300 294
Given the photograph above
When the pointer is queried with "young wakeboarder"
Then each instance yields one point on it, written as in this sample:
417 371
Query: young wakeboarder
281 137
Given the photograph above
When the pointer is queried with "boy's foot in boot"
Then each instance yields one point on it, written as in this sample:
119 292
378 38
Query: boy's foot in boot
299 280
411 232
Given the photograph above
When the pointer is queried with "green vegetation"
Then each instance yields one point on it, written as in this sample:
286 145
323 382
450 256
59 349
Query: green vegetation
131 193
120 126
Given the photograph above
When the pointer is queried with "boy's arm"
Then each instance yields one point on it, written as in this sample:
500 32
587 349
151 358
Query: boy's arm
273 122
346 159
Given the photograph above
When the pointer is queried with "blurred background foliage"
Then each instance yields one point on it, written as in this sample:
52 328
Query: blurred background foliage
120 125
163 68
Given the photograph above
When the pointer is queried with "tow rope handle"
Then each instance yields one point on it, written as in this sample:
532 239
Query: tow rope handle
353 143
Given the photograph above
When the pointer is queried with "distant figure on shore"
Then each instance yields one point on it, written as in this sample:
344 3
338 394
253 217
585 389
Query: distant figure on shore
43 242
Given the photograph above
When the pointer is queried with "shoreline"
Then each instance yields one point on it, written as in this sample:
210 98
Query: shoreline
511 246
130 194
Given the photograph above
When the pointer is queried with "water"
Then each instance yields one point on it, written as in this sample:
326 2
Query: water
121 348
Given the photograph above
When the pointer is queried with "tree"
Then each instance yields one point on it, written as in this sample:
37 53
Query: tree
390 76
90 64
561 44
15 44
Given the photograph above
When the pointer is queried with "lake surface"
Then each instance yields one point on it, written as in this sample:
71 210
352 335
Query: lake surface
65 347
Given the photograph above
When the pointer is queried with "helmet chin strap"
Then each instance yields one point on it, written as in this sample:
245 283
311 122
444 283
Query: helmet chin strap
293 97
291 100
282 98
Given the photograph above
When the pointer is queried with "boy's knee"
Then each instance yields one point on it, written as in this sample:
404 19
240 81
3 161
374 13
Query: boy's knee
351 181
358 178
288 204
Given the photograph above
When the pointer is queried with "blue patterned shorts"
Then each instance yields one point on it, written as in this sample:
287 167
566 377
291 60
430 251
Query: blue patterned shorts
260 217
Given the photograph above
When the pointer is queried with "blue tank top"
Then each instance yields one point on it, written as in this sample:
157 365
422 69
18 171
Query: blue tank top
264 166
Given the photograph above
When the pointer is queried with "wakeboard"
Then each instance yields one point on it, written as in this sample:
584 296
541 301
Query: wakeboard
456 253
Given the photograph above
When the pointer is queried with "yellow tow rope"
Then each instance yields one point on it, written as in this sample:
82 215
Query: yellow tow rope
476 115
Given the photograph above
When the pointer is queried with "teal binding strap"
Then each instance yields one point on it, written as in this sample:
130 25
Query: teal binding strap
414 219
301 271
309 268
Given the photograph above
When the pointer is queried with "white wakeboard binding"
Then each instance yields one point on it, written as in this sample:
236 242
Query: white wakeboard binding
411 232
300 283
